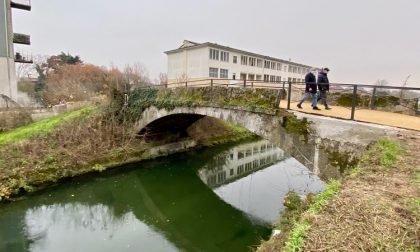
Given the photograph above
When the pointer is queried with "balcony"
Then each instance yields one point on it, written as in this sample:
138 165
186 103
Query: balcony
21 57
21 4
19 38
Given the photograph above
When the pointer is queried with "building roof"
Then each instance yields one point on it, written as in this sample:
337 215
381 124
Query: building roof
187 45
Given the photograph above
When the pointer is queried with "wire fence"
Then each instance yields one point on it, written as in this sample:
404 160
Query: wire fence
346 96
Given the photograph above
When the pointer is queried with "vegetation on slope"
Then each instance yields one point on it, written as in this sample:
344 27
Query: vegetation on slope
375 208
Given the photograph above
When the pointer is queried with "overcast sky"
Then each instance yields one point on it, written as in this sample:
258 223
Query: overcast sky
361 41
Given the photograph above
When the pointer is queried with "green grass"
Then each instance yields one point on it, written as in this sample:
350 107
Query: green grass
322 198
296 237
389 152
41 128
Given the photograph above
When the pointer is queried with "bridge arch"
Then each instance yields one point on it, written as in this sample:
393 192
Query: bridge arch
264 125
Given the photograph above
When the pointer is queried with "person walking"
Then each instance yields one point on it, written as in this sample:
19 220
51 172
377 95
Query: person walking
324 86
310 89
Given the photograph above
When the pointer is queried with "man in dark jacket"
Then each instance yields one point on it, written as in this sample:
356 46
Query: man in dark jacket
323 86
310 89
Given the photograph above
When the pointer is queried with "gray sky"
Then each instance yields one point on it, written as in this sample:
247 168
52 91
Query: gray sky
361 41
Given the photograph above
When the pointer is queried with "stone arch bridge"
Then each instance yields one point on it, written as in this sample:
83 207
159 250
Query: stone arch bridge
154 120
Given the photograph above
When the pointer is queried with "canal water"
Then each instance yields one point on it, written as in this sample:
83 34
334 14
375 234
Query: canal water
224 198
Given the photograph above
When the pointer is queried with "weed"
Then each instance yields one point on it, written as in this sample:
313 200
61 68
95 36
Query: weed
297 237
294 125
389 152
333 186
99 168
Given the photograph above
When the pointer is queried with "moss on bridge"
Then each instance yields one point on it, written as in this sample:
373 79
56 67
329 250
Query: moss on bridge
256 100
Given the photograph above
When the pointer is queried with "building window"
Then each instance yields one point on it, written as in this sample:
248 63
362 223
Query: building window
244 60
267 64
235 59
224 56
273 65
214 54
278 78
279 66
224 73
266 77
272 78
213 72
285 68
234 76
258 77
259 63
251 77
252 61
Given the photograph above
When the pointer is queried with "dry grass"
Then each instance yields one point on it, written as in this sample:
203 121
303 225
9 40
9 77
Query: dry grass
74 147
377 208
375 211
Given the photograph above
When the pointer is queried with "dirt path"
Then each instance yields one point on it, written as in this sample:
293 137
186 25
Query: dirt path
364 115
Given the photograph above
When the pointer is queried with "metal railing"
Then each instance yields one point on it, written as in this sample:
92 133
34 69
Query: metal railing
23 57
289 87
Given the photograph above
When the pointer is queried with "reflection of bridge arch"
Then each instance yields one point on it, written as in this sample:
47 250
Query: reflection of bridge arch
240 161
154 119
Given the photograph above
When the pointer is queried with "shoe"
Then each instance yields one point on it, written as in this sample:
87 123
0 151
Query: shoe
299 106
328 108
316 108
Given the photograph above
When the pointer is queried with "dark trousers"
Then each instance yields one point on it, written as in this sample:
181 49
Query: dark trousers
323 97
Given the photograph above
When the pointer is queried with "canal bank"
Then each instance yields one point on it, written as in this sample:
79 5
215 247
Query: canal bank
80 142
222 198
374 208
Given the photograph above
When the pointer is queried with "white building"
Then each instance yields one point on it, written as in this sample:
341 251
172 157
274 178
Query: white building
194 61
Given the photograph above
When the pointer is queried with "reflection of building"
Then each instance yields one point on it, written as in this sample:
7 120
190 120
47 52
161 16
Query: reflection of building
209 60
240 161
8 83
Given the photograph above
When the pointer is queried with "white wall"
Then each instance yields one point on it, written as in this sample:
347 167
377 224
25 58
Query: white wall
191 63
8 84
194 63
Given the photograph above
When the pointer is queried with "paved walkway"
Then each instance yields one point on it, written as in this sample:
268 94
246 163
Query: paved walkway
363 115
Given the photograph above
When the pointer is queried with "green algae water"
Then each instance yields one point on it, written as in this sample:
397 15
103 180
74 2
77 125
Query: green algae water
217 199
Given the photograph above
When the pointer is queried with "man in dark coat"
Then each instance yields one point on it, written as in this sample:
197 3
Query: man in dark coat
310 89
323 86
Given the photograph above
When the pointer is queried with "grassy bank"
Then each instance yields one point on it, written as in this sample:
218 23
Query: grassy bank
376 207
88 140
43 127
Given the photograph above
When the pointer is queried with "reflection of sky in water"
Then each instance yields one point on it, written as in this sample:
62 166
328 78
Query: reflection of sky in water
261 194
255 177
77 227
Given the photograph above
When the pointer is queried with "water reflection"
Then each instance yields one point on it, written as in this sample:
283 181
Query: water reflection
255 177
190 202
66 227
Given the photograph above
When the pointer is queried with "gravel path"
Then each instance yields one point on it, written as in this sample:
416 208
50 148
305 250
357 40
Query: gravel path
363 115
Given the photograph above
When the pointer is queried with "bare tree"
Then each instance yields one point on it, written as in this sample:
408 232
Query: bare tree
136 75
163 79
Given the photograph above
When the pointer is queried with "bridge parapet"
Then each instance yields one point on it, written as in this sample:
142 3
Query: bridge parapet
256 100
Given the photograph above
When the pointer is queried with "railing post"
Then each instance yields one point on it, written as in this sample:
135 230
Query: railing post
373 99
244 83
186 84
211 83
289 94
353 102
